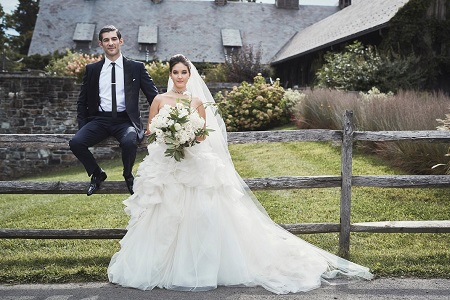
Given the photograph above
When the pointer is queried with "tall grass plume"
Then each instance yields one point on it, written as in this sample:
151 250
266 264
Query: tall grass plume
375 111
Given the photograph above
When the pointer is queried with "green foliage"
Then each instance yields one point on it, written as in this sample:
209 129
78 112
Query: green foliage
71 64
252 107
359 68
13 60
399 72
414 54
2 29
422 29
159 72
244 65
351 70
23 20
216 73
37 61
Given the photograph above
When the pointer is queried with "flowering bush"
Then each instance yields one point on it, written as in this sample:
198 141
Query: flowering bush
291 99
352 69
252 107
375 94
72 64
159 72
178 127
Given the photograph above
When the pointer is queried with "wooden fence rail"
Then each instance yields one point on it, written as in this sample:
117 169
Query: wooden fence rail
346 181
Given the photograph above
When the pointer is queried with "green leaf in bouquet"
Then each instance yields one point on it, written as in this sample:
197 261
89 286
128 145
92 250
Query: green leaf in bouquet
152 138
170 140
178 154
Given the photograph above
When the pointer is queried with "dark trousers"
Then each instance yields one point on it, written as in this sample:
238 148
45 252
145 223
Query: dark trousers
99 129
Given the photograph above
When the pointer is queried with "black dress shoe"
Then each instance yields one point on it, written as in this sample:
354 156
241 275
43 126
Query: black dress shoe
130 181
95 182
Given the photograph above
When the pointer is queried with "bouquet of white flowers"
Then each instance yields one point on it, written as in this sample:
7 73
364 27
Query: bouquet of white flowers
178 127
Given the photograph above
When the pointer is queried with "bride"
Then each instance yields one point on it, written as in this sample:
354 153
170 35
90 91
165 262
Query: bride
195 225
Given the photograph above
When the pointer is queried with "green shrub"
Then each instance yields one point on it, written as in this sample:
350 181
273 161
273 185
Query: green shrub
12 61
359 68
216 73
252 107
38 62
159 72
71 64
351 70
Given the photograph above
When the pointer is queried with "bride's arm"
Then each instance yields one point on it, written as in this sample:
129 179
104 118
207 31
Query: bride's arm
198 104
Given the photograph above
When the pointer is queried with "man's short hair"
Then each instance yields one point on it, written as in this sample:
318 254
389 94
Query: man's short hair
109 28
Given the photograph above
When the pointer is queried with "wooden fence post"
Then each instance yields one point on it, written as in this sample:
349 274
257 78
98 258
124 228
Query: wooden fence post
346 185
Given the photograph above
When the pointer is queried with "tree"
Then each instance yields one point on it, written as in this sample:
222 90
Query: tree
23 20
245 65
422 28
2 28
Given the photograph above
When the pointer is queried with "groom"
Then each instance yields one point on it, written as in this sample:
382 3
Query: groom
108 105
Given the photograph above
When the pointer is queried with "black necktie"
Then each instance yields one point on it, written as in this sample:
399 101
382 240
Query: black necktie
113 90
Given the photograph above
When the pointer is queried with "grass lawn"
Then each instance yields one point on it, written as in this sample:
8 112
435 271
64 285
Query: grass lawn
413 255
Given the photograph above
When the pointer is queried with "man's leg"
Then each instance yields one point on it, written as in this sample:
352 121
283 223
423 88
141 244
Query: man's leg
126 134
89 135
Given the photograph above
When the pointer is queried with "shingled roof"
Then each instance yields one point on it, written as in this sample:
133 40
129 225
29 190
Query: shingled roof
358 19
194 28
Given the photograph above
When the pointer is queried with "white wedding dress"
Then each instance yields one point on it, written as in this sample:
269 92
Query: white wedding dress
193 228
194 225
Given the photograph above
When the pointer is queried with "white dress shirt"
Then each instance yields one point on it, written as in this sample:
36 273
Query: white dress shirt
105 86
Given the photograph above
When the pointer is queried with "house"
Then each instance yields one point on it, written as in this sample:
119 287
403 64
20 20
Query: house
205 31
363 20
291 37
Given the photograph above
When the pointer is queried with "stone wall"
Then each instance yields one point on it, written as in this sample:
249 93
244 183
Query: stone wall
32 103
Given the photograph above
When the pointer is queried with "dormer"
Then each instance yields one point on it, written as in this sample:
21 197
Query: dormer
231 41
147 38
83 36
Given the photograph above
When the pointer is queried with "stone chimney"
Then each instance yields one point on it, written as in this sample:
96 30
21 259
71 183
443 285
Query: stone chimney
288 4
344 3
220 2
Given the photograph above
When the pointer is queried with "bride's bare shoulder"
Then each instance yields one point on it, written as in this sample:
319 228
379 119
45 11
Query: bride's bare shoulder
162 99
196 101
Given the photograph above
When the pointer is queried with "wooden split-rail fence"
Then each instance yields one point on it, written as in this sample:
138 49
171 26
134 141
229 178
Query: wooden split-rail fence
346 137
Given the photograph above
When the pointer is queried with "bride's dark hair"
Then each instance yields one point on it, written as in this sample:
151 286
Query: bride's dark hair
179 58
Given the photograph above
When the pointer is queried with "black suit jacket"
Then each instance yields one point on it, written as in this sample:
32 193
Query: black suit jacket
136 78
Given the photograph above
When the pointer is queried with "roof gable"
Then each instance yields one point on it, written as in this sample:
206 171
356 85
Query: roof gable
357 19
